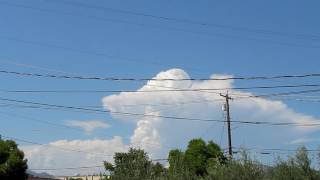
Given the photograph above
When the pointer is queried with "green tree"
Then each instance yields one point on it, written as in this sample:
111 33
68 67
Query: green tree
12 162
134 165
196 158
178 170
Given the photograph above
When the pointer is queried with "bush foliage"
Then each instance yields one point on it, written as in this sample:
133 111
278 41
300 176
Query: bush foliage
206 161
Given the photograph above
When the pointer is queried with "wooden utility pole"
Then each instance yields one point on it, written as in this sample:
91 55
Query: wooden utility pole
227 109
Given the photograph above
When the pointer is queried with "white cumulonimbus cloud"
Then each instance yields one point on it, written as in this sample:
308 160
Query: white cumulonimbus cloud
157 135
88 126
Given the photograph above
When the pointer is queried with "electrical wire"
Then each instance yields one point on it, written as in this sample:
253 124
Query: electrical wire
66 168
157 79
106 111
166 117
203 90
66 149
81 167
275 149
76 129
188 21
282 96
219 35
56 147
185 21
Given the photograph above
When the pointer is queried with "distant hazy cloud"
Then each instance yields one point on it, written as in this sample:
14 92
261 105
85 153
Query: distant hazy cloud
304 140
57 155
88 126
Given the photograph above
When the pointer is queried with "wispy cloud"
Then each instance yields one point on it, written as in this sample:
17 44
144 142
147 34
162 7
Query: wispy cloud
303 140
88 126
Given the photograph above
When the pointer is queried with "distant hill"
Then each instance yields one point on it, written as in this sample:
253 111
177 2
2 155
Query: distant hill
40 175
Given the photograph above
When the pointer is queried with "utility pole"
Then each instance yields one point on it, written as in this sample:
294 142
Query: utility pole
227 109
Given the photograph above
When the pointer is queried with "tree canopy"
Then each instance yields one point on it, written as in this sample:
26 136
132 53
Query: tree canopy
205 161
134 165
197 157
12 162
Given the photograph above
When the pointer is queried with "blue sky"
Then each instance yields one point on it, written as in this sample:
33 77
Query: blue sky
93 40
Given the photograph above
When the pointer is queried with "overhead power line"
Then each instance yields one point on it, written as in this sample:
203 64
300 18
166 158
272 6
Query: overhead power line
179 20
93 53
219 35
204 90
165 117
66 168
302 100
271 151
152 79
240 78
123 105
32 66
282 94
66 149
256 123
81 167
107 111
55 147
274 149
74 128
188 21
291 93
40 121
157 79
